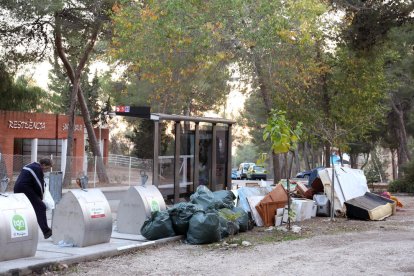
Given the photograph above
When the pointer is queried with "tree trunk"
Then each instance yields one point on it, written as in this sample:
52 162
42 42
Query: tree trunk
366 161
267 100
293 157
276 168
306 156
71 128
286 166
393 166
353 160
297 160
100 167
313 159
403 152
74 76
327 148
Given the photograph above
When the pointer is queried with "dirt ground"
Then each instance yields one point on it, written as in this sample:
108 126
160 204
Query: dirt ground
323 247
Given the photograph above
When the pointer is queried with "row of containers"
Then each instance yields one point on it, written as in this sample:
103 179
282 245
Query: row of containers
82 217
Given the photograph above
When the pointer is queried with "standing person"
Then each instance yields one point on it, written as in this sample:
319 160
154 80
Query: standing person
31 182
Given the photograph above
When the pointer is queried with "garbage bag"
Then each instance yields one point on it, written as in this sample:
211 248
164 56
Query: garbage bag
209 200
242 219
204 228
204 197
228 222
158 226
226 196
181 214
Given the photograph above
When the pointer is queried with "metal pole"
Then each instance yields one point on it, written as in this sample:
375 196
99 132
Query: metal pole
288 193
177 137
196 155
94 173
213 175
287 188
129 171
100 134
333 194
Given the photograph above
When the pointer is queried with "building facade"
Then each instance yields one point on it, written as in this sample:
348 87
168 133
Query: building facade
29 136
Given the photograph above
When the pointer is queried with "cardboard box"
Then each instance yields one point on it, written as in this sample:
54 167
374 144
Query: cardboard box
267 211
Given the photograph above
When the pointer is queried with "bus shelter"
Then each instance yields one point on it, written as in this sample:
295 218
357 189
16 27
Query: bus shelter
201 152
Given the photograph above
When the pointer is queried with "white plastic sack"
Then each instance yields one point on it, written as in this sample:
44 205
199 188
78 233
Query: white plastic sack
48 199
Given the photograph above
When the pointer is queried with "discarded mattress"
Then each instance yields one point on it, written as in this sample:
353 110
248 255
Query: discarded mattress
245 192
370 207
348 184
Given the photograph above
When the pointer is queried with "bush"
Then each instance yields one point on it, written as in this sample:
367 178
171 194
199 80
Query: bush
401 185
406 183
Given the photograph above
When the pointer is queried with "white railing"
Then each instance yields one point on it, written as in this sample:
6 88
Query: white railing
121 170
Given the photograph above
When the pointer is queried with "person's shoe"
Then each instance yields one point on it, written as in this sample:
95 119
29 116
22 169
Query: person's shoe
48 234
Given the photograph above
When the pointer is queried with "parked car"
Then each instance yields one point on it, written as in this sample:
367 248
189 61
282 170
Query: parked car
304 174
256 172
243 169
235 174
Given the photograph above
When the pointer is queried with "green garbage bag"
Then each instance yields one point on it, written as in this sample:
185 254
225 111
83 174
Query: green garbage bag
242 218
203 196
209 200
181 214
228 222
158 226
204 228
227 197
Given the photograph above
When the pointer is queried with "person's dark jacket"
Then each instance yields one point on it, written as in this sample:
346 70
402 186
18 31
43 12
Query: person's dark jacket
31 177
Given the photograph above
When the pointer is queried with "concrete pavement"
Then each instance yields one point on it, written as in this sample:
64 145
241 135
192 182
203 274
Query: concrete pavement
48 253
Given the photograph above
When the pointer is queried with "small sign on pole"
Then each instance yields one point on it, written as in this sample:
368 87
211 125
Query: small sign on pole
133 111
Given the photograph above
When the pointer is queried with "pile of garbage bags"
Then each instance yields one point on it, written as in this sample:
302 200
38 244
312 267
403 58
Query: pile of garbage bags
207 218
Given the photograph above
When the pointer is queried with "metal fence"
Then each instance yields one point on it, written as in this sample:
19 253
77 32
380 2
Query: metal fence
121 170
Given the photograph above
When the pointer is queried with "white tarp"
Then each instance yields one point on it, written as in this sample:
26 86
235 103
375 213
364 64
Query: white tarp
348 184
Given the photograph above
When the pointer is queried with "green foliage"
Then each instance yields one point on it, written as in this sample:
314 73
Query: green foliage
401 186
358 93
370 21
282 134
19 95
292 214
247 152
375 170
400 72
406 183
176 60
253 118
142 138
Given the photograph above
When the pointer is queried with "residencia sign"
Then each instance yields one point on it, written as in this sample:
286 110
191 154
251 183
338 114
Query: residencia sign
38 125
27 125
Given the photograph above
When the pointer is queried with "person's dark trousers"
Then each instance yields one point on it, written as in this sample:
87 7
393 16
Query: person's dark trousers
39 208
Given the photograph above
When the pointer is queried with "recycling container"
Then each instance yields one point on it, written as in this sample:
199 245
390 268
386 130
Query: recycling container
19 232
82 218
136 207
